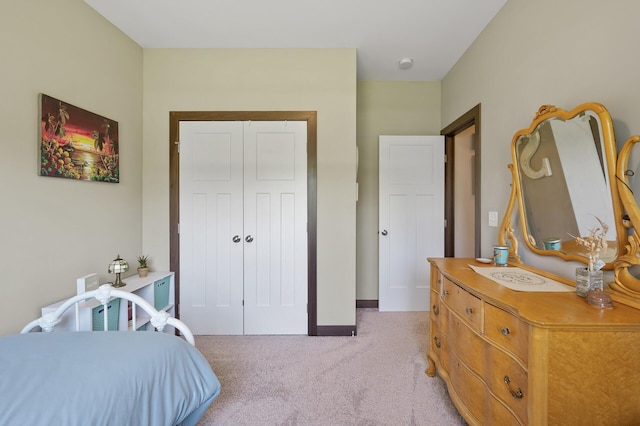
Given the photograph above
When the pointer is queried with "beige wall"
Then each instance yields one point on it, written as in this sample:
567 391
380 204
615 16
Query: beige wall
55 230
544 52
385 108
322 80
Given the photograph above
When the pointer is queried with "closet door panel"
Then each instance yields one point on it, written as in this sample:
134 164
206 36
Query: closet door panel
211 208
275 211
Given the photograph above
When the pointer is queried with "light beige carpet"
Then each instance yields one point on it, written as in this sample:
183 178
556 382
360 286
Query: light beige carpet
374 378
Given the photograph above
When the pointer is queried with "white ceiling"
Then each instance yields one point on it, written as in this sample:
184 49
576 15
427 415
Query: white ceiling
434 33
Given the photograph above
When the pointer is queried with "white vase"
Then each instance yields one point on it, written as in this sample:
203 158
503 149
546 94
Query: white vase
587 281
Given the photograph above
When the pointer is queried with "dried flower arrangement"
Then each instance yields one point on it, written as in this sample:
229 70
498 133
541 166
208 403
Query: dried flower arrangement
595 242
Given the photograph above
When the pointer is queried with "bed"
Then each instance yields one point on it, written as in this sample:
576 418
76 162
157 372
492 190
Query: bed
104 378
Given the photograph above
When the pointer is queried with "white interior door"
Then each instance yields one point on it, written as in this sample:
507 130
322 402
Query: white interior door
411 216
211 226
243 230
275 218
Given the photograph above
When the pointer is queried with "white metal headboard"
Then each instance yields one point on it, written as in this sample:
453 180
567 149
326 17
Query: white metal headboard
106 292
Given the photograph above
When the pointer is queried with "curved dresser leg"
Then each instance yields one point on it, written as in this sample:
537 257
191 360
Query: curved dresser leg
431 368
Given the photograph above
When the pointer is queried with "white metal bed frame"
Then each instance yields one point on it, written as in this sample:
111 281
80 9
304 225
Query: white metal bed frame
105 293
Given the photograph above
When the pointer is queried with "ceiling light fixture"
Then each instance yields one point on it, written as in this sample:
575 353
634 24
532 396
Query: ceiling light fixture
405 63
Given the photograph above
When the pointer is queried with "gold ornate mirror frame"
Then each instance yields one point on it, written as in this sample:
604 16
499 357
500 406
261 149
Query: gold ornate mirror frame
626 288
529 162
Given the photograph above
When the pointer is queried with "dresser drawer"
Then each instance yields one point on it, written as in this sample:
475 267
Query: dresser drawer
508 381
462 303
435 341
501 415
443 319
468 387
445 352
507 331
435 306
436 280
467 345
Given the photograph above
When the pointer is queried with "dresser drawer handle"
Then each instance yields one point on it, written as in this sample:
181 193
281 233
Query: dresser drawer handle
469 310
505 331
437 341
435 309
445 292
517 393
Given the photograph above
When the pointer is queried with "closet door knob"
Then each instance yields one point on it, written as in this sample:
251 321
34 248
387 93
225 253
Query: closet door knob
384 233
249 238
236 239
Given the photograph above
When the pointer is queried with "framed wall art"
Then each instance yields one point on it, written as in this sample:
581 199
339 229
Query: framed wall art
77 144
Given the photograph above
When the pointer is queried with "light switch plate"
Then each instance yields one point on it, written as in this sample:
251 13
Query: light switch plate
493 219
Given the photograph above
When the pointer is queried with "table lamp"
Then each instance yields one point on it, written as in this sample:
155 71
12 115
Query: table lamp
117 267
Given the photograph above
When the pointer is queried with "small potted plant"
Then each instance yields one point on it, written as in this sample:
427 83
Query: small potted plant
143 266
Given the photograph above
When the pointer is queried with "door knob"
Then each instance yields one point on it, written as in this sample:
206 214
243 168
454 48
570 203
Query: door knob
236 238
249 238
384 232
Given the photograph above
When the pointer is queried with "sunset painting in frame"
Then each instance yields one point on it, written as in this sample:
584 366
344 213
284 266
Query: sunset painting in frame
77 144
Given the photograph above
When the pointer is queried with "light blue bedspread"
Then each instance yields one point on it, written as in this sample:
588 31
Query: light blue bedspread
103 378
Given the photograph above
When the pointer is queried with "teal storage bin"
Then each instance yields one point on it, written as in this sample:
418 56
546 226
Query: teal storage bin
161 293
113 314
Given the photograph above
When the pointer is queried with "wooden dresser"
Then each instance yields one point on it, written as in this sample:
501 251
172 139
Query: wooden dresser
512 358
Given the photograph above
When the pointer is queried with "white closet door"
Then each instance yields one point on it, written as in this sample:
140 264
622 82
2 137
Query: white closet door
275 223
211 226
243 227
411 218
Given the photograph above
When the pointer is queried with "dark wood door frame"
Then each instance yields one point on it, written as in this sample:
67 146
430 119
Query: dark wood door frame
468 119
175 117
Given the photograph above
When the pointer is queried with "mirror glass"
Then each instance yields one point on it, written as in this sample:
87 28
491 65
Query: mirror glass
564 167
